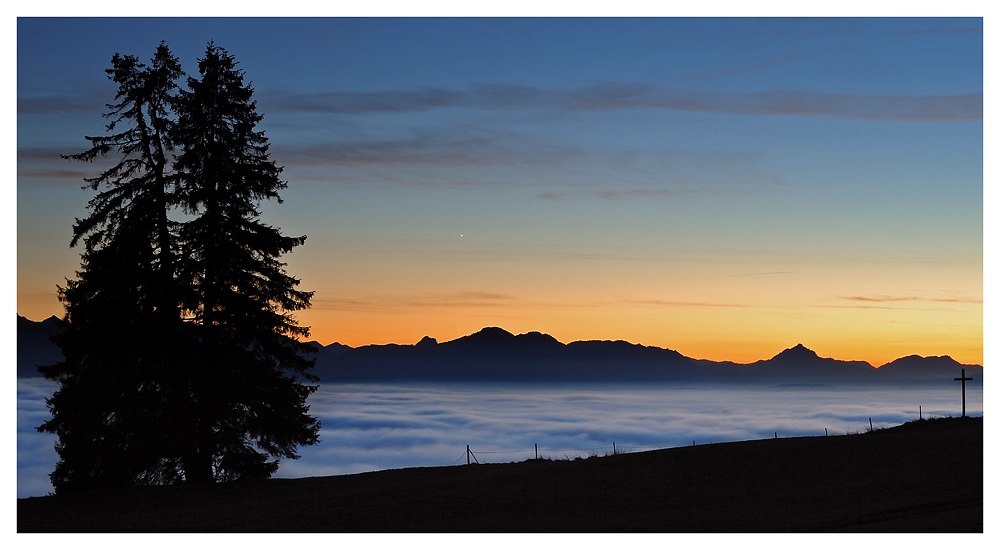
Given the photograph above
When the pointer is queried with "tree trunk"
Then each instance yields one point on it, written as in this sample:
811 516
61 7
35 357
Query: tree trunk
198 468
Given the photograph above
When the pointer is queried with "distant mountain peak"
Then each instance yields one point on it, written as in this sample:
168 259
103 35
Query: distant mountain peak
940 366
498 340
798 352
51 320
491 334
538 338
494 331
427 341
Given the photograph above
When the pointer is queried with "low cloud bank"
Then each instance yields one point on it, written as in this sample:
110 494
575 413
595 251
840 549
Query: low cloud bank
615 96
370 427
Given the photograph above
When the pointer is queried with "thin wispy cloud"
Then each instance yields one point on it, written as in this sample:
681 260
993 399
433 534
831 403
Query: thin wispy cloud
672 303
960 30
759 274
473 299
614 96
367 102
781 34
619 195
423 150
882 298
55 174
609 195
46 163
463 299
726 71
634 194
78 102
552 196
909 303
441 158
38 153
554 169
459 147
894 308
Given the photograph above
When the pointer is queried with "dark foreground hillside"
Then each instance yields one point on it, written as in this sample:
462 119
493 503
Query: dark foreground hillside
922 476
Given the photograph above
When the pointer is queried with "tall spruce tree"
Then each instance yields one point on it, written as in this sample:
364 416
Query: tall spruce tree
181 358
122 316
247 404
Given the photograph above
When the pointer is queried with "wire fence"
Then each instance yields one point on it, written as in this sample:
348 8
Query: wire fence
547 454
615 449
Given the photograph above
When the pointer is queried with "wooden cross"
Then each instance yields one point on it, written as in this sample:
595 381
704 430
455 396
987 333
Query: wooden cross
963 379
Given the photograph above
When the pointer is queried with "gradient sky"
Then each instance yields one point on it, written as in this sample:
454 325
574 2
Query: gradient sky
723 187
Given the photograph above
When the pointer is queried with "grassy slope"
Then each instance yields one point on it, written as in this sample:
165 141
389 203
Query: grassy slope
922 476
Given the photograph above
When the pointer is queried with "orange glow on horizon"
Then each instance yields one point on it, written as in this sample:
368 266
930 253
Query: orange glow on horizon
692 309
859 343
853 345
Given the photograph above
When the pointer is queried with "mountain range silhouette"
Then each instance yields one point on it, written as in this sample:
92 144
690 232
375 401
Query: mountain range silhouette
496 355
34 346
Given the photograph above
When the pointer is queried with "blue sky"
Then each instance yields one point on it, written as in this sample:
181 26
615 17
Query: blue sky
724 187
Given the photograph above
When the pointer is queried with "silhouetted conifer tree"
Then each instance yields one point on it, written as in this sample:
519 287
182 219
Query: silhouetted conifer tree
180 355
248 405
122 316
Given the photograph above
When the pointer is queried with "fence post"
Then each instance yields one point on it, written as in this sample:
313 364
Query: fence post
826 431
467 452
921 411
614 451
536 451
870 428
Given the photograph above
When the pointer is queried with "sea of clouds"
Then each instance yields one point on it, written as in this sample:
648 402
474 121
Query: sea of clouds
368 427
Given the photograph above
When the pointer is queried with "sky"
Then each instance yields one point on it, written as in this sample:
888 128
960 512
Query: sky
726 188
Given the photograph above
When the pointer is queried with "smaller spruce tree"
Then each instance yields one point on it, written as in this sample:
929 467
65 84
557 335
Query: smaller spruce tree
248 405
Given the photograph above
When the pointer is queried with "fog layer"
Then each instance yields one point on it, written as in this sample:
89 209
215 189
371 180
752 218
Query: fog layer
369 427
